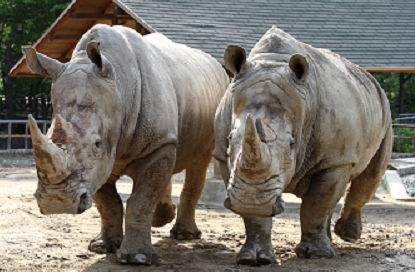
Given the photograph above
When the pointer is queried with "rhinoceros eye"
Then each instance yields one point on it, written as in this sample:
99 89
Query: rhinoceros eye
292 142
98 144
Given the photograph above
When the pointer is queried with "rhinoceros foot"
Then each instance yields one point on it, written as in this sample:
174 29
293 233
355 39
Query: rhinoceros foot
256 254
164 214
104 245
349 229
316 249
138 257
181 232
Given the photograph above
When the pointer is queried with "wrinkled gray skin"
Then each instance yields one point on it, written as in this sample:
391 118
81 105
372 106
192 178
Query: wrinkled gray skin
127 105
299 120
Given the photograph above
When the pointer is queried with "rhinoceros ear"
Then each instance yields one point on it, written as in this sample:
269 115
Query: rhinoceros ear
41 64
299 67
235 59
94 54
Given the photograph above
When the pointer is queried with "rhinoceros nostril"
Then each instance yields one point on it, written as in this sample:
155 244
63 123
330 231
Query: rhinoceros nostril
83 203
227 203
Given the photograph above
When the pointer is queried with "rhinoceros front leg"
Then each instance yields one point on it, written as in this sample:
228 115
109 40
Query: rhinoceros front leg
258 248
317 207
110 207
151 176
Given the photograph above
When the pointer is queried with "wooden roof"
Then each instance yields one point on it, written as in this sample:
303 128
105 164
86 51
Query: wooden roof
60 39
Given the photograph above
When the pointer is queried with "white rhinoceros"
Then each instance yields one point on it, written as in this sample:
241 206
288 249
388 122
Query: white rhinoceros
301 120
127 105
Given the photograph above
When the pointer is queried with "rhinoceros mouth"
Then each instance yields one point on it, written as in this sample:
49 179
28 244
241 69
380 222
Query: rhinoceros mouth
69 196
255 199
265 190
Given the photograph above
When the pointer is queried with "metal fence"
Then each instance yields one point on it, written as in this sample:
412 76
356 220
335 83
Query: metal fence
18 129
9 131
406 120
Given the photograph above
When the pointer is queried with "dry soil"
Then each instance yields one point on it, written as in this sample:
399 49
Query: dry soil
32 241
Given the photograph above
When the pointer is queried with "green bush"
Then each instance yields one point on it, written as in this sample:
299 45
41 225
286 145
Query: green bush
407 145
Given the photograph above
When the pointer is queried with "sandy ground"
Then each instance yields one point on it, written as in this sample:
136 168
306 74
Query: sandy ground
31 241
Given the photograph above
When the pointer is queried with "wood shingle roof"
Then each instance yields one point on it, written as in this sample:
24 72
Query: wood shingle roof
375 34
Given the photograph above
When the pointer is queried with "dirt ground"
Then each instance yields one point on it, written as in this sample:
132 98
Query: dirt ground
32 241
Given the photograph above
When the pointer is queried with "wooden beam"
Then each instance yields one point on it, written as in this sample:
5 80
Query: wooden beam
27 75
390 69
65 38
98 16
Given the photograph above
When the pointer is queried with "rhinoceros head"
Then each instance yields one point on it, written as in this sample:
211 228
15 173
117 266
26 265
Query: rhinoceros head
268 98
75 157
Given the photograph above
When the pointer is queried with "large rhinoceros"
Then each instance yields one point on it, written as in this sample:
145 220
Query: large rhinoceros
301 120
127 105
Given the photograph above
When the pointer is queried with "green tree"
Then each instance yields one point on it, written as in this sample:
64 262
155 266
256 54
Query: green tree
23 22
390 82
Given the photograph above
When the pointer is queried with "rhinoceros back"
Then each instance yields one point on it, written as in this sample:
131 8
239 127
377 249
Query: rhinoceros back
170 91
354 114
199 83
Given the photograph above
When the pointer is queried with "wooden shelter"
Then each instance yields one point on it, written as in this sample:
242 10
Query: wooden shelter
60 39
378 35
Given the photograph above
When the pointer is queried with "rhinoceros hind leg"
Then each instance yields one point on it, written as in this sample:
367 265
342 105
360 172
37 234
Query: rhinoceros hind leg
165 210
325 191
361 190
316 248
110 207
350 229
185 227
258 248
181 232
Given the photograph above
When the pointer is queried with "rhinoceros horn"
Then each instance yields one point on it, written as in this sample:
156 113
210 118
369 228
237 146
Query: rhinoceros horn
51 161
255 155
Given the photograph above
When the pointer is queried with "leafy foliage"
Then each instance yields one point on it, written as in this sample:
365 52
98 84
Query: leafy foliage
390 83
406 145
23 22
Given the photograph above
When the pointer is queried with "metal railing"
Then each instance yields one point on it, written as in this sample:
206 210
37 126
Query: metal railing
406 120
9 136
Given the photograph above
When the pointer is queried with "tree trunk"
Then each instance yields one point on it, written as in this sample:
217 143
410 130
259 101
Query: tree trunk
8 84
402 80
36 99
44 109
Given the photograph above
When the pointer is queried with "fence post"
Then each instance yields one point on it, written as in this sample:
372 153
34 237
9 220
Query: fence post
414 140
25 138
44 128
9 138
399 140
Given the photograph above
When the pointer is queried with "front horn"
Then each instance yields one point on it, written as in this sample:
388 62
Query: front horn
255 155
51 161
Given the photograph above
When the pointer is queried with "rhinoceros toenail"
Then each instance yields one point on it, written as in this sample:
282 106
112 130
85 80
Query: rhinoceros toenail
140 258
